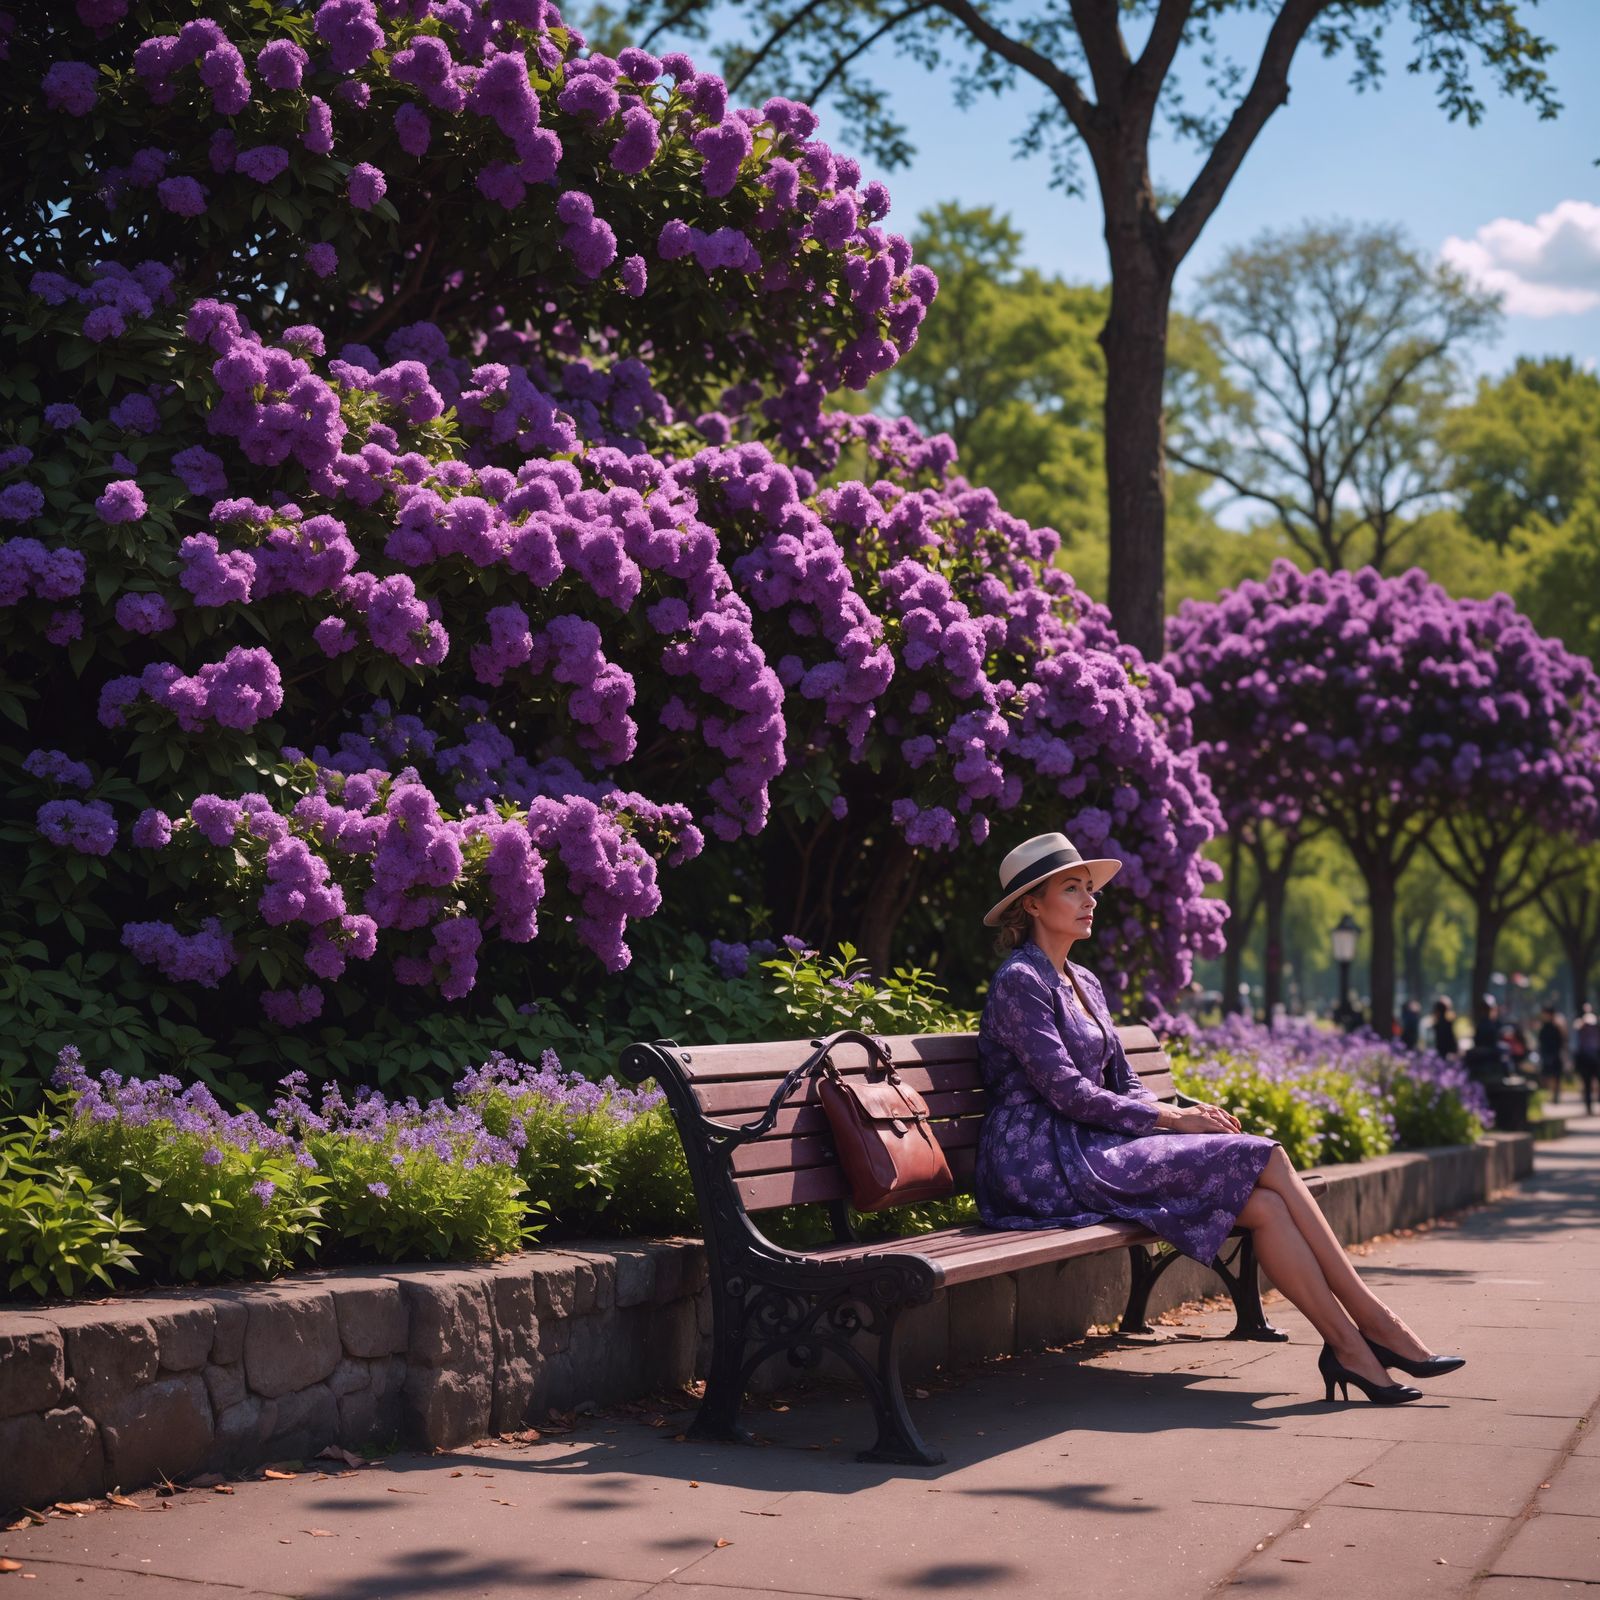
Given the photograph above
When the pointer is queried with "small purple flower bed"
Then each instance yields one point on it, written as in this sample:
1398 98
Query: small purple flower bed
1330 1096
218 1194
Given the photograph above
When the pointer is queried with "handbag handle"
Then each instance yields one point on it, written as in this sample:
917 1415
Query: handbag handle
817 1060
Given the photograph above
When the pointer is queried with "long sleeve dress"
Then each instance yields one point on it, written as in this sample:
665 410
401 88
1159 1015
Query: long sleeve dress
1068 1139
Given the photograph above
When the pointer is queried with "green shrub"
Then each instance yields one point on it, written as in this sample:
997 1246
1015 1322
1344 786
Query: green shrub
58 1231
1427 1112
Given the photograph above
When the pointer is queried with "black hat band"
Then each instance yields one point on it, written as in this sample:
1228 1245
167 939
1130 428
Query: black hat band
1042 868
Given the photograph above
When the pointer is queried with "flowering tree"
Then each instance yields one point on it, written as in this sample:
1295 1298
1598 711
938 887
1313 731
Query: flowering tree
413 428
1386 709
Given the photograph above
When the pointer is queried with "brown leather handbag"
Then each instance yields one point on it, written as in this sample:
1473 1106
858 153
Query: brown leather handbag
881 1129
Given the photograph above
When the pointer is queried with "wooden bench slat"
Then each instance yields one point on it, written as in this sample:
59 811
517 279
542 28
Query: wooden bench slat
713 1061
817 1149
733 1102
771 1189
940 1075
809 1117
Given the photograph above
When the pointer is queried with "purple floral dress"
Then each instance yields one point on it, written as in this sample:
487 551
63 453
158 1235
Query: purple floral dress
1067 1140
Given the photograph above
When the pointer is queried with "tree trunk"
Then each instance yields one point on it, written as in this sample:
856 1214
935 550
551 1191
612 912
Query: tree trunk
1236 931
1485 939
1274 892
887 901
1134 340
1411 946
1381 896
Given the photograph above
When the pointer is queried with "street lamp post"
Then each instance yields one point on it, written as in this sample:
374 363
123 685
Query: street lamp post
1345 935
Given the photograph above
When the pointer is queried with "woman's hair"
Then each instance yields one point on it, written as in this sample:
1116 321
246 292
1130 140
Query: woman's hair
1014 926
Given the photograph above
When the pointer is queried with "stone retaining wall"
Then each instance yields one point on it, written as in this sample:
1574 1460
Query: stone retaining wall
118 1393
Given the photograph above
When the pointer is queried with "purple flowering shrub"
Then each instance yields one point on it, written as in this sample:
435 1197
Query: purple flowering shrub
425 531
1328 1096
346 494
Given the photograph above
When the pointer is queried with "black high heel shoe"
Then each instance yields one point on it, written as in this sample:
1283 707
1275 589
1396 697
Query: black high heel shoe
1433 1367
1334 1372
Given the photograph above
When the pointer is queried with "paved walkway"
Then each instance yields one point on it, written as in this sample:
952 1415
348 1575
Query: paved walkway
1174 1469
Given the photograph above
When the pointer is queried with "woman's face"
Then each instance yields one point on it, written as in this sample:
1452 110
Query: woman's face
1063 908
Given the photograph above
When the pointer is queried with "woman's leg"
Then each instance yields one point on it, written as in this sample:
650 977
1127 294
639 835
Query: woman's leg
1286 1254
1370 1314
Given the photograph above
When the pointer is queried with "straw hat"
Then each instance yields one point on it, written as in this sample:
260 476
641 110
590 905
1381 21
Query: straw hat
1039 858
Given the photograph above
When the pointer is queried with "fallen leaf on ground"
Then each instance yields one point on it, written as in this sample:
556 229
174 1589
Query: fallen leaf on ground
500 1502
744 1513
8 1565
222 1488
335 1452
1439 1561
77 1508
458 1473
394 1490
123 1501
286 1541
922 1394
272 1472
1299 1561
693 1483
780 1408
722 1544
319 1533
1361 1483
477 1474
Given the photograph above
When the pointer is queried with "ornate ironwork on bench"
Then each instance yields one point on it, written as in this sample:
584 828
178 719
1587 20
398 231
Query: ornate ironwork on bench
751 1149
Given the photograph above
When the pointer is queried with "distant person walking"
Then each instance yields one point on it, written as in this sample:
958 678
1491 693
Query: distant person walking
1552 1050
1442 1027
1586 1055
1411 1024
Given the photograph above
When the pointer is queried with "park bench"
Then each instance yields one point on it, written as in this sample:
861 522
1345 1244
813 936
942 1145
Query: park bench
770 1300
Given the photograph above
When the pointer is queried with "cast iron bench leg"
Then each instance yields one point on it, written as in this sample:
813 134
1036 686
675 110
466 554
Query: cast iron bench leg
1146 1263
718 1416
898 1440
1239 1273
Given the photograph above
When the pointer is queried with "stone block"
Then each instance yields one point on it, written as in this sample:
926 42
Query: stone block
350 1376
164 1429
554 1286
983 1319
1059 1302
671 1342
552 1384
594 1280
1340 1203
446 1406
371 1315
516 1342
671 1274
225 1384
291 1340
388 1376
110 1350
306 1421
49 1455
924 1335
448 1320
635 1269
369 1421
227 1344
33 1365
242 1431
185 1331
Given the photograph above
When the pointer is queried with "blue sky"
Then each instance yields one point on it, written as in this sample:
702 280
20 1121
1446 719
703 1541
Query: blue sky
1384 156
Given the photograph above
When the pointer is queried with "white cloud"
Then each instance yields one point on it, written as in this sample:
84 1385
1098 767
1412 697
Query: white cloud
1546 268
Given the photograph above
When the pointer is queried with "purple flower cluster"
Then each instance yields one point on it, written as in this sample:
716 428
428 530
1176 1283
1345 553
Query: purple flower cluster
86 826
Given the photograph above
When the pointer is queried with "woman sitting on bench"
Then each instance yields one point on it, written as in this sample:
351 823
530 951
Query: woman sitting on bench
1074 1138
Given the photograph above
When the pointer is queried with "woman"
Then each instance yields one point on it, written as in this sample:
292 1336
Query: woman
1586 1055
1073 1137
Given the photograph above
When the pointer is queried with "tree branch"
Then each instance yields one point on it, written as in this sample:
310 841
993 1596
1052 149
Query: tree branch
841 62
1103 48
668 23
1026 59
773 40
1268 90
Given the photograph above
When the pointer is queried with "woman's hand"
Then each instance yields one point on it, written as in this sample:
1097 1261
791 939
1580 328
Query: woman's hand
1196 1119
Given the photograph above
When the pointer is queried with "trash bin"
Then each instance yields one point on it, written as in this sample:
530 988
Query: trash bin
1508 1099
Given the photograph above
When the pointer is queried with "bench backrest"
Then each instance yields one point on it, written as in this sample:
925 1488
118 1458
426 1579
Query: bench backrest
796 1163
